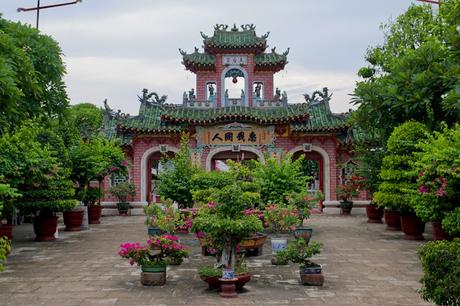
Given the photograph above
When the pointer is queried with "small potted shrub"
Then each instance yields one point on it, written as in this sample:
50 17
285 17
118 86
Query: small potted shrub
298 251
441 279
152 257
304 202
153 213
122 191
91 199
280 219
347 191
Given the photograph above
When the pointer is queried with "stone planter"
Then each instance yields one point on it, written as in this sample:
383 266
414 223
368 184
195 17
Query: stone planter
311 276
94 214
123 208
153 275
155 231
374 214
303 232
412 226
73 220
345 207
45 227
6 230
392 220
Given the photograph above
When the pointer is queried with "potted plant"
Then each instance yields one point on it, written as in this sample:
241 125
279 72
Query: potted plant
7 195
304 201
298 251
153 213
212 275
348 190
122 191
280 219
438 168
174 252
91 199
73 219
226 224
151 257
398 178
5 249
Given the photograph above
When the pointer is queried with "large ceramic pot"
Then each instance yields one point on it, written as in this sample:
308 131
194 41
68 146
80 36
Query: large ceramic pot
311 276
374 213
215 283
153 275
253 246
278 244
303 232
6 230
73 220
123 208
94 214
412 226
345 207
155 231
45 228
392 220
439 233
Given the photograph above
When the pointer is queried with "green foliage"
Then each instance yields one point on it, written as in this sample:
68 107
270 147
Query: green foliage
441 267
123 190
31 75
202 180
438 165
299 251
278 179
86 118
209 271
451 222
7 194
414 75
35 169
281 218
369 159
5 248
398 186
153 212
175 182
90 196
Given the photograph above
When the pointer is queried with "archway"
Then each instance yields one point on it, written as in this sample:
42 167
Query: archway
235 87
221 154
149 161
319 155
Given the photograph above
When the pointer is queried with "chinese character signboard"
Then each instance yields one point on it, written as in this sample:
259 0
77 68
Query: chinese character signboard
236 133
235 59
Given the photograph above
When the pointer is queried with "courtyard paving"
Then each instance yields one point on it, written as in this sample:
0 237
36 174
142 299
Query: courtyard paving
363 265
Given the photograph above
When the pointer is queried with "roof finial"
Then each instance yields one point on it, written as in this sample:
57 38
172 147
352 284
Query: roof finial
286 52
235 28
204 35
182 52
265 35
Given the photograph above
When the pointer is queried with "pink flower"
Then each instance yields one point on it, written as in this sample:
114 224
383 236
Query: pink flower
423 189
211 205
441 192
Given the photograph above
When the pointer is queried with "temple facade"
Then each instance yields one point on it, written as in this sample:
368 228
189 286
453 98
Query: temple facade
234 112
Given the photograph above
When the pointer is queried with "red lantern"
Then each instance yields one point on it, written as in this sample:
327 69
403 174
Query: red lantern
235 80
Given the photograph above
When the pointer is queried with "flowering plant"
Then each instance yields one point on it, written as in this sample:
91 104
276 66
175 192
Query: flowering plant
281 218
154 252
350 188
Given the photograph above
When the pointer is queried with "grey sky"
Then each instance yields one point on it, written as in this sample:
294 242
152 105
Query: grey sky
114 48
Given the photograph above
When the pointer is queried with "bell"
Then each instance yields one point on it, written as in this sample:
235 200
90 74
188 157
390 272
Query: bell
235 80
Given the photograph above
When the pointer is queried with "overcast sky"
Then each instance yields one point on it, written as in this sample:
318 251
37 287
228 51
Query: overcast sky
114 48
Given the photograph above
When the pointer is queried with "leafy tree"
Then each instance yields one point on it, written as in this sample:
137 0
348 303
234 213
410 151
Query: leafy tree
31 75
175 182
86 118
278 179
414 75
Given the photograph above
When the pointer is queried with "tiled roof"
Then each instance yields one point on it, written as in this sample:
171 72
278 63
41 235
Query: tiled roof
290 113
321 120
198 61
235 38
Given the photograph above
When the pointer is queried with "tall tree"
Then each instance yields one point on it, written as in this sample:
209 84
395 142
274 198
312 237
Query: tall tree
31 75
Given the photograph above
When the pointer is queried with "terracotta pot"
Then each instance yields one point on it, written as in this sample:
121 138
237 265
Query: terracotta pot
45 228
311 276
6 230
439 233
153 278
215 283
412 226
392 220
212 281
253 246
73 220
345 207
242 280
374 214
94 214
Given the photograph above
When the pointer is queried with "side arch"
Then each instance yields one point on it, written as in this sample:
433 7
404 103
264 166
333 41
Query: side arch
214 151
326 168
144 161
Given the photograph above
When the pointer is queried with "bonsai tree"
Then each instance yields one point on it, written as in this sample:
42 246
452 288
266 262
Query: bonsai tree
440 263
226 224
300 252
398 177
438 168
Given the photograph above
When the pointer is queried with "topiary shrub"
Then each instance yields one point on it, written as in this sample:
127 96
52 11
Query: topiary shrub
441 267
398 177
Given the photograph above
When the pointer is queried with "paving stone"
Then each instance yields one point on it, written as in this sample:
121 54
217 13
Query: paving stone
363 265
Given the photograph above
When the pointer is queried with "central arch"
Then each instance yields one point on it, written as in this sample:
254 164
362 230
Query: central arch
144 165
326 167
218 150
246 82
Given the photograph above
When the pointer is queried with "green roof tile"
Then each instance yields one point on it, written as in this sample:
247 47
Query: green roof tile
321 120
235 38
